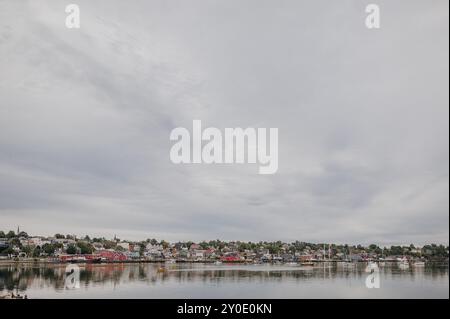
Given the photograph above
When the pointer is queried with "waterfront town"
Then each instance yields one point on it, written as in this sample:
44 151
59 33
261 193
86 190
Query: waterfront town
20 246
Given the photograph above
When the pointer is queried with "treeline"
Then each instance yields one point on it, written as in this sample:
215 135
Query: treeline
84 245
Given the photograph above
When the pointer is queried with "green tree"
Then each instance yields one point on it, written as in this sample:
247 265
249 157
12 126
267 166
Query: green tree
109 244
49 249
8 250
3 250
60 236
27 250
141 249
15 242
165 244
37 251
23 234
10 234
71 249
204 245
375 249
396 250
2 234
85 248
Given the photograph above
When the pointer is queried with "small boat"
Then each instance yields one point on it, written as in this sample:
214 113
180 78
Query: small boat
403 266
403 263
292 263
161 270
171 261
419 264
218 262
307 263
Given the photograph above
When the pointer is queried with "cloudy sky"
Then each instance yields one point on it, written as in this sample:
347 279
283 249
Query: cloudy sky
363 119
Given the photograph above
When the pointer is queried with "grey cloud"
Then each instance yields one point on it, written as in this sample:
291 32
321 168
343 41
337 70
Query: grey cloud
85 118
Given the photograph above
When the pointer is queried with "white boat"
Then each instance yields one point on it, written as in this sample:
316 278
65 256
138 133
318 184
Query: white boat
171 261
292 263
218 263
403 266
403 263
419 264
307 263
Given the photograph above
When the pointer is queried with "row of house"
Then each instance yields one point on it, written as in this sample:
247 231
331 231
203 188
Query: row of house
116 250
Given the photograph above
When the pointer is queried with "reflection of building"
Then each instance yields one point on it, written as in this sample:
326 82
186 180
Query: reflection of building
355 257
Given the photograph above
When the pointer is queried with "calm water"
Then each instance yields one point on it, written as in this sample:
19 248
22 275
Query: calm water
224 281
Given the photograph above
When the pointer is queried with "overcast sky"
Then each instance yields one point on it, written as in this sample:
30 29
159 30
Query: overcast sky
363 119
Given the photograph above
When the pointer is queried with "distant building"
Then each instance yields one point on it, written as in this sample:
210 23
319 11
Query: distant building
131 254
111 255
97 246
231 257
355 257
198 254
4 243
34 241
287 257
195 247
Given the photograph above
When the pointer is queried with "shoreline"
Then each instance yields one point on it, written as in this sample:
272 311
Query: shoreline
57 262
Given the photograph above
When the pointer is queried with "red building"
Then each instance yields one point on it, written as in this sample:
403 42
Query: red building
231 257
111 255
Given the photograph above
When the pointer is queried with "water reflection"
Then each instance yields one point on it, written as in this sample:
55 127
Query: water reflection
24 277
